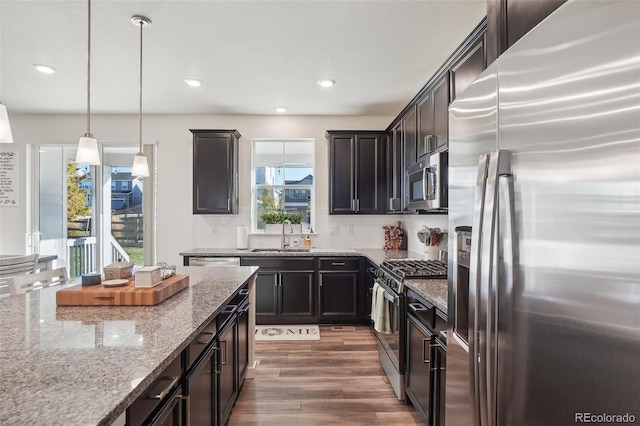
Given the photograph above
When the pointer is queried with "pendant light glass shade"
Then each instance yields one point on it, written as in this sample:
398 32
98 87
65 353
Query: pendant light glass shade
88 152
5 128
140 166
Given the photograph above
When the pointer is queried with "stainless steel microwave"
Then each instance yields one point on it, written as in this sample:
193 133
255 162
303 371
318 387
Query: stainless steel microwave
428 183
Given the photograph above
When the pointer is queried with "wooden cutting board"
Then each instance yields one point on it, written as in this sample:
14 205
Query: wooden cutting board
128 295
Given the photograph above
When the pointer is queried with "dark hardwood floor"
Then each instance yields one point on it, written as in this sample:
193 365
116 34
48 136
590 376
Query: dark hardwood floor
334 381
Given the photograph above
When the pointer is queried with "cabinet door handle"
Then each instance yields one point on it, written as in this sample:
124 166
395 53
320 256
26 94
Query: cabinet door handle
424 351
224 352
338 263
200 342
216 370
357 204
229 204
166 390
427 143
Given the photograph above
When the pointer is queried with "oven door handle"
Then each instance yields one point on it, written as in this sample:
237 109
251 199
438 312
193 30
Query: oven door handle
388 293
390 297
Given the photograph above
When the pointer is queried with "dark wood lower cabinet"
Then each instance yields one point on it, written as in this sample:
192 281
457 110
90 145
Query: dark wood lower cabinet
171 412
285 290
227 382
338 295
200 386
200 390
266 297
296 294
159 398
243 341
418 376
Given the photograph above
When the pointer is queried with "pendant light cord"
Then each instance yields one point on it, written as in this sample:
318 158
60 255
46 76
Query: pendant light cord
88 134
140 118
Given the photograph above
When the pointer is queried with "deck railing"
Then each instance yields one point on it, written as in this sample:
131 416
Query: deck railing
81 255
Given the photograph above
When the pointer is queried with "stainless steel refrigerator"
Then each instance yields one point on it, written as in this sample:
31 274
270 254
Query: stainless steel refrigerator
544 293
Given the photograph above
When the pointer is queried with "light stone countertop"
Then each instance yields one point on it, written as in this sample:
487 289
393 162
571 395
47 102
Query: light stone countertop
433 290
377 256
63 365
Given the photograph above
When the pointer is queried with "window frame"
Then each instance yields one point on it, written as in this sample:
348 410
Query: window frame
255 187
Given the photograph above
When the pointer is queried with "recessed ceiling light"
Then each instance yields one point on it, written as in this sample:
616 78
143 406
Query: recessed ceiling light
326 83
281 109
193 82
45 69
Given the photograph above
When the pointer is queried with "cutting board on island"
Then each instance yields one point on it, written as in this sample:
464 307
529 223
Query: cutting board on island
127 295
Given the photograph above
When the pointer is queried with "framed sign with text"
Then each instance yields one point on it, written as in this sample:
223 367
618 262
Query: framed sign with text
8 179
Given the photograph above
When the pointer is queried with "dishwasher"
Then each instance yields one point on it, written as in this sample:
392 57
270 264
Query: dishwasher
214 261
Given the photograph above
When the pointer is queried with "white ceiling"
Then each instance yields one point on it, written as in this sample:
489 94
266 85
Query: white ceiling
251 55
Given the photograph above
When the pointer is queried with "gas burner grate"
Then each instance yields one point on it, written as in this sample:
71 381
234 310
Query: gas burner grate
410 268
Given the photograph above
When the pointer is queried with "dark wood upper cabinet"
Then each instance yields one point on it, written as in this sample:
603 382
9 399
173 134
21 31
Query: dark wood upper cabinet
215 171
410 134
357 172
440 96
509 20
425 124
467 68
395 170
433 118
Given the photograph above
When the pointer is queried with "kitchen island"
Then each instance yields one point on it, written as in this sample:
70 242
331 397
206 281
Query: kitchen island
85 365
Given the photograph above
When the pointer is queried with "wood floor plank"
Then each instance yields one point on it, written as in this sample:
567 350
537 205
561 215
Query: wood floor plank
336 380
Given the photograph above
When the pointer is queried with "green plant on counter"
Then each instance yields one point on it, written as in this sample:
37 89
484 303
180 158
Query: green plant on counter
271 218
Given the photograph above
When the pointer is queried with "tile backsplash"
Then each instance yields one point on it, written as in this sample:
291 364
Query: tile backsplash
332 231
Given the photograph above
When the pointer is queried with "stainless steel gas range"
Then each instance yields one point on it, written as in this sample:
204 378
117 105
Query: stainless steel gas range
390 276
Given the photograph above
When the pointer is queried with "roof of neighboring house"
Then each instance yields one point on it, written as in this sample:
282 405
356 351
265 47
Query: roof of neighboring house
307 180
124 176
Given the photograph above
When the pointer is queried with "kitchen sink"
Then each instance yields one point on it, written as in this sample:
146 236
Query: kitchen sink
275 250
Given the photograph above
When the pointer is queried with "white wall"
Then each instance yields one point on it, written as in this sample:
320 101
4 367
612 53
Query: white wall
177 228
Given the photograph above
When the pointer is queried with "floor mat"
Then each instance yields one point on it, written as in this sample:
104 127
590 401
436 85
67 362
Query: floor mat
287 332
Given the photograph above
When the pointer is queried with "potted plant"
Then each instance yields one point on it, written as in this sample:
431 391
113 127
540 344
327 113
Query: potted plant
273 222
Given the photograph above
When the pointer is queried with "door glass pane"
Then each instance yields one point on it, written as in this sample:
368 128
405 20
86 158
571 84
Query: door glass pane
123 216
65 209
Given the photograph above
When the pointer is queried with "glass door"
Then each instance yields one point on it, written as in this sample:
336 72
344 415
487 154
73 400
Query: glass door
123 207
90 216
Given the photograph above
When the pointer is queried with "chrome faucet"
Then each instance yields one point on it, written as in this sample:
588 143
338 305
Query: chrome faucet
284 245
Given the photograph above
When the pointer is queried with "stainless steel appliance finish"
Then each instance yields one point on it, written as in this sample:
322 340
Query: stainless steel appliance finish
545 167
391 346
214 261
428 183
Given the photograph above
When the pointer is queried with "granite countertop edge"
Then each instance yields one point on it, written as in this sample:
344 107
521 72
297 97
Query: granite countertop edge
433 290
60 355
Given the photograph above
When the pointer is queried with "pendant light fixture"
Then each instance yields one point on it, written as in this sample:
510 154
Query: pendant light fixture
87 152
5 126
140 165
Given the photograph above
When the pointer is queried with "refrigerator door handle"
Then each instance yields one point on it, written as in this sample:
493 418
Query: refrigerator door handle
490 285
504 305
474 283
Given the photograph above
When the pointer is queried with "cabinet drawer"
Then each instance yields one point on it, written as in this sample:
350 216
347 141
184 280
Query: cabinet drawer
155 394
276 263
340 264
201 342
